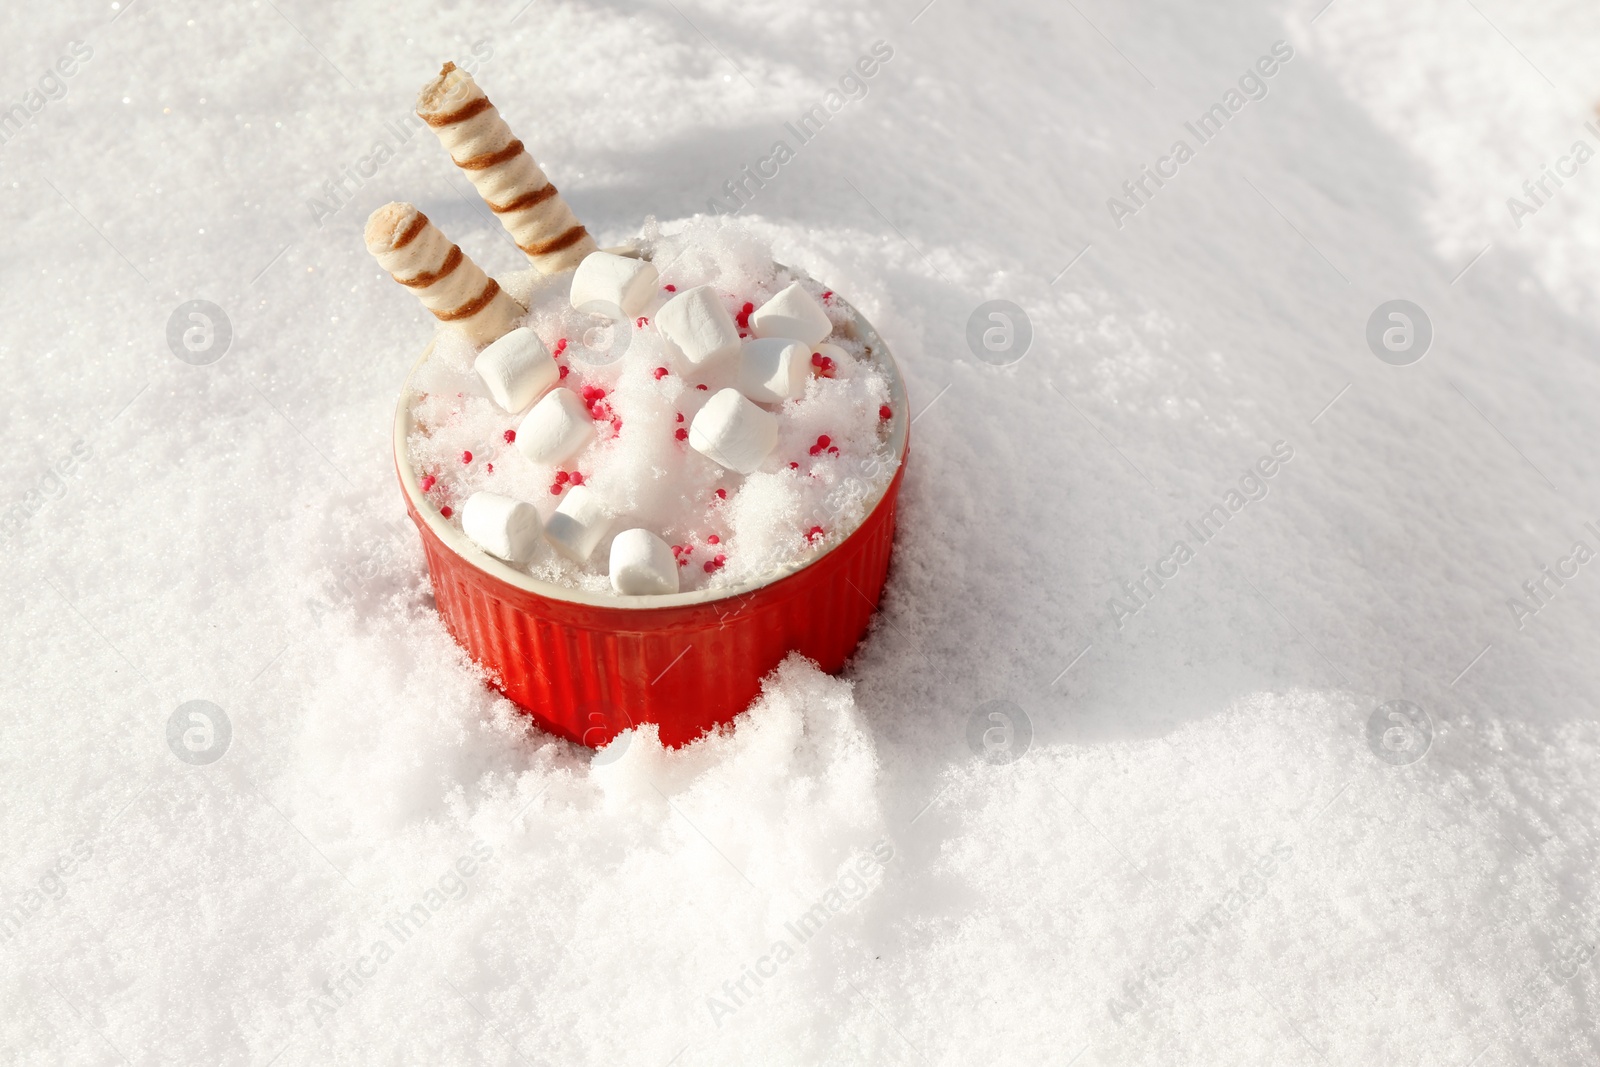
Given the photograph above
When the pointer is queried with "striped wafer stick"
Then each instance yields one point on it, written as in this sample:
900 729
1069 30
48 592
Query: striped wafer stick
506 176
449 284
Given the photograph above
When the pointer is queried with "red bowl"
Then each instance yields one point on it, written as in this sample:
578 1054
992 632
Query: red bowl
588 666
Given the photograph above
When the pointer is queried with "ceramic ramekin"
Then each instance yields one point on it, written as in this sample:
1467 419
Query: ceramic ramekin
588 666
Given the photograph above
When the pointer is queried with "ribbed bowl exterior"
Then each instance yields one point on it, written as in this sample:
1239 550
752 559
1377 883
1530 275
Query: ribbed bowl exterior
587 673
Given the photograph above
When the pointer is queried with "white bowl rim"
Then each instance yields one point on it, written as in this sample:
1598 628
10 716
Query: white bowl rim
461 545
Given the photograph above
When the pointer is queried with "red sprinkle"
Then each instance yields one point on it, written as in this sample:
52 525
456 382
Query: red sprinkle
713 539
616 425
661 372
682 562
670 288
824 440
722 494
446 511
641 322
834 451
593 392
813 533
562 477
577 478
827 365
563 372
816 359
490 467
827 294
794 466
466 457
561 346
428 481
510 436
681 434
555 490
713 564
702 388
743 318
680 416
885 412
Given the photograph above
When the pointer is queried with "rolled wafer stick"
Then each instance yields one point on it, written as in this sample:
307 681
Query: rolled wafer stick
506 176
449 284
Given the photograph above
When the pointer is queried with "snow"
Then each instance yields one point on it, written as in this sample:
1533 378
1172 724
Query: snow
1207 854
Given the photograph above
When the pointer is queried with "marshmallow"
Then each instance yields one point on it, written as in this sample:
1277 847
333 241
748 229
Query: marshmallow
517 369
578 525
556 429
505 175
609 284
697 323
734 433
792 313
449 284
774 369
501 526
642 564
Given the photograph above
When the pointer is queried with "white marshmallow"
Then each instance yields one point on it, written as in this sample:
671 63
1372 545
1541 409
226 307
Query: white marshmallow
792 313
734 433
697 323
642 564
556 429
774 369
609 284
501 526
578 525
517 369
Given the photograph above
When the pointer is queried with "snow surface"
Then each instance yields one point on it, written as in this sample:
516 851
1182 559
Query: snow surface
1200 857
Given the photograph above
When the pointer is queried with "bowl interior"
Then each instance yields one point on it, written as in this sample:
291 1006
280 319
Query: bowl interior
899 430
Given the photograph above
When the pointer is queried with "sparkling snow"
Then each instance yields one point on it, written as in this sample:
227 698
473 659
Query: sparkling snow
1322 794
